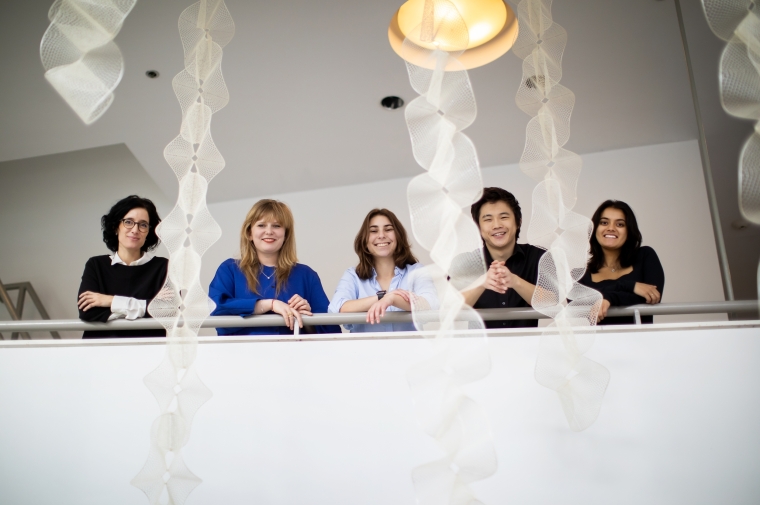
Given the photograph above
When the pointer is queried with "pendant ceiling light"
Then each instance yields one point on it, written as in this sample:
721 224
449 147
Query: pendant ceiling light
490 29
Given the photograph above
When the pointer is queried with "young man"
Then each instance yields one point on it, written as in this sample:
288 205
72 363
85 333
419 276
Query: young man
512 267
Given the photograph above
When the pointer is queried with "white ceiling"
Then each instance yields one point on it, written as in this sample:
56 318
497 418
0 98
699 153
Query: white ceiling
306 79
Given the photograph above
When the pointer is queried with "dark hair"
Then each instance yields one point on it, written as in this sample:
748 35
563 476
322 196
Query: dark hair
493 195
402 255
111 221
632 242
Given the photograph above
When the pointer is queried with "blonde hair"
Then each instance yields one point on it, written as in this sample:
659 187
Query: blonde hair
249 259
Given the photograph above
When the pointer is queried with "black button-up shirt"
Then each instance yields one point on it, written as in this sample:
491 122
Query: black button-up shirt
523 263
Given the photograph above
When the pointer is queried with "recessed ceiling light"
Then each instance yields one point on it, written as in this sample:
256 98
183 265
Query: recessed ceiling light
392 102
152 73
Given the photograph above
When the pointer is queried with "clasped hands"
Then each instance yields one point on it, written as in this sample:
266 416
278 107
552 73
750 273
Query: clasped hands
499 278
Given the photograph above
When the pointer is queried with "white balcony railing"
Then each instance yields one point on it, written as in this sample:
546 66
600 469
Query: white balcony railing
662 309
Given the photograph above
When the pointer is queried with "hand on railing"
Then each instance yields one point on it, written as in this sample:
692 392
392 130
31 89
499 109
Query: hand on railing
289 314
648 292
400 298
603 310
300 305
90 299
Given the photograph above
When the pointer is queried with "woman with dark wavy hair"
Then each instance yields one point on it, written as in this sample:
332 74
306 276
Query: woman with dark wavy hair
121 285
383 279
620 268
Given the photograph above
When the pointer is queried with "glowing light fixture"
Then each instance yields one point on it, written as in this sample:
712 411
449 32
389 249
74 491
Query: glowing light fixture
489 30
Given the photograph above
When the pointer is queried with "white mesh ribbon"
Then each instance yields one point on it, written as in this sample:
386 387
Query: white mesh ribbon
81 60
439 202
738 23
561 366
188 231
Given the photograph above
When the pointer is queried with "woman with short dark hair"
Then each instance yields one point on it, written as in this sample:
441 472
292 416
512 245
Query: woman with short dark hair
383 280
620 268
122 285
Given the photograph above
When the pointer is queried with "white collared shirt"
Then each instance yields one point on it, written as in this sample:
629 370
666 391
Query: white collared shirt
124 306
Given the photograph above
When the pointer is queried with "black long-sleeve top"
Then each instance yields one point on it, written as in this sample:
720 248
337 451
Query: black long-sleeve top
140 281
647 269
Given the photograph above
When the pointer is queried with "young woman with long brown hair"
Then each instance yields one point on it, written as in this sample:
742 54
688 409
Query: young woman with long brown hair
268 278
383 279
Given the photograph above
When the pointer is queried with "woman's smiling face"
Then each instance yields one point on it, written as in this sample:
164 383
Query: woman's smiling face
381 240
133 238
612 231
267 235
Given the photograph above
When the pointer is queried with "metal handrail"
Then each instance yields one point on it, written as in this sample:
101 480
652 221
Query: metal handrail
662 309
16 312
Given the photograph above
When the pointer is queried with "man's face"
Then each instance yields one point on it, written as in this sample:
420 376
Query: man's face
497 225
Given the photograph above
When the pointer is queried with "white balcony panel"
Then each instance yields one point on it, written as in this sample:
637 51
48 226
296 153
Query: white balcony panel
332 422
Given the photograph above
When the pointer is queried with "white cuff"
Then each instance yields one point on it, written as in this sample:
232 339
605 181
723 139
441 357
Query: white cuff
126 307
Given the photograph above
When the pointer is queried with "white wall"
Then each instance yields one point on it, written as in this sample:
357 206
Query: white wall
50 209
663 184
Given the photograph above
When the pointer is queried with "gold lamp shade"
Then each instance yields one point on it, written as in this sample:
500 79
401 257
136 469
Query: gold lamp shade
482 30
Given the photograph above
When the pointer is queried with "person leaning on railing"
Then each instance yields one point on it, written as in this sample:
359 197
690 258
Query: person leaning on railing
620 268
123 284
387 277
268 278
512 268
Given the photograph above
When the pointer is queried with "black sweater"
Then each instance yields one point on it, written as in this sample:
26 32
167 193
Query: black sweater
142 282
647 269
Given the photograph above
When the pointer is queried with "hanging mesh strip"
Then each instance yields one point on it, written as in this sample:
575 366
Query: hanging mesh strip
81 60
439 201
561 365
738 23
188 231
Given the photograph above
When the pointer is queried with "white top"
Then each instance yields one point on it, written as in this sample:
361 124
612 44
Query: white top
124 306
351 287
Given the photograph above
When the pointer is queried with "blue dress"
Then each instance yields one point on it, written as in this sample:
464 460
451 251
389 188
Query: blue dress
229 290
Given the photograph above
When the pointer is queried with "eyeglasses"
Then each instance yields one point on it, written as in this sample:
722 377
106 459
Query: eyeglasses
142 225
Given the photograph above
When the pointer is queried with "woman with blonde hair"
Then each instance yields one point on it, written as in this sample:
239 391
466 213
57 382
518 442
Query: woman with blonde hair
387 277
268 278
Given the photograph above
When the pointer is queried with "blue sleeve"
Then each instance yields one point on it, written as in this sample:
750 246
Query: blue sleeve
346 290
318 300
222 292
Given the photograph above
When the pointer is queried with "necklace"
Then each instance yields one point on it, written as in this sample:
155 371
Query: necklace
269 277
612 269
